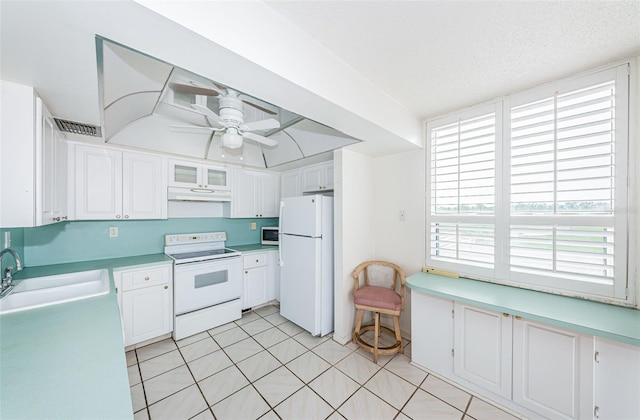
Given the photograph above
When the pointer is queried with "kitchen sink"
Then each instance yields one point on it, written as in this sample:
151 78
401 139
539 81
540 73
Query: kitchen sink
37 292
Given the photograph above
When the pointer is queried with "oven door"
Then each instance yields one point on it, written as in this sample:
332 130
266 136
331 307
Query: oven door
202 284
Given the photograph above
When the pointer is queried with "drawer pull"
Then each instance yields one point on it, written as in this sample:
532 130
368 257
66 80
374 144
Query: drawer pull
166 287
146 278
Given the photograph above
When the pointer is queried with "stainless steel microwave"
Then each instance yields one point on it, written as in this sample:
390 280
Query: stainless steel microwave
269 235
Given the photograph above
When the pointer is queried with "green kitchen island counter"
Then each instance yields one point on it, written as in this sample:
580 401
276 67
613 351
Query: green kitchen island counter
67 361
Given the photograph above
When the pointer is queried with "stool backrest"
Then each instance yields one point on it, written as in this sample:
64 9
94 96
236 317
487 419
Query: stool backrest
380 273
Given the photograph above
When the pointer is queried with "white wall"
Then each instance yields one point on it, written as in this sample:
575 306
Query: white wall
354 192
369 193
399 185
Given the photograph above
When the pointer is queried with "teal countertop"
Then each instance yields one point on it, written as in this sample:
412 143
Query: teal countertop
246 249
67 361
599 319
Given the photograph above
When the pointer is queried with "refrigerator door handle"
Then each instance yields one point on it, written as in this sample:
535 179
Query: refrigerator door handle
280 262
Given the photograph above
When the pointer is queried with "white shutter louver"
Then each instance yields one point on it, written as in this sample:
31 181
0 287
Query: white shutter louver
462 170
562 164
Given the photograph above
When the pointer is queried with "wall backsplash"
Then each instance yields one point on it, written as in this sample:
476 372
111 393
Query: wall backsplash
89 240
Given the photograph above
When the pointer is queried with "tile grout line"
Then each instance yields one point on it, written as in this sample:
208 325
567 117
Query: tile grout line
305 384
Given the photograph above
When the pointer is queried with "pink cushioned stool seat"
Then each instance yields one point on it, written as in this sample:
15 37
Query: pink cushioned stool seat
379 297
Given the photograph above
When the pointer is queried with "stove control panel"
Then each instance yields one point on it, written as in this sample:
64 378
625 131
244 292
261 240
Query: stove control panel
194 238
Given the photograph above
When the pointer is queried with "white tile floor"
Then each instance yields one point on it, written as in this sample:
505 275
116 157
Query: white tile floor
263 366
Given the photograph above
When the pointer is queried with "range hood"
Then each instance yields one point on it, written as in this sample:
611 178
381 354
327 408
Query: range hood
148 104
198 195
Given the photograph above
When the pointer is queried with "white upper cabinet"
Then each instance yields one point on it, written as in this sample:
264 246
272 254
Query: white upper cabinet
317 177
33 171
310 179
143 187
290 184
193 174
255 194
112 184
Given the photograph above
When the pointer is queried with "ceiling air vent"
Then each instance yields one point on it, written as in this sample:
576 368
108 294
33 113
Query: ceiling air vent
78 128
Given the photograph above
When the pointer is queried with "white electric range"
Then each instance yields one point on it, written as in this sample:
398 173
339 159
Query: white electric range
207 282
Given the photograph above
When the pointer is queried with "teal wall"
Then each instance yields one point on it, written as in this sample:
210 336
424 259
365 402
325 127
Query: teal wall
89 240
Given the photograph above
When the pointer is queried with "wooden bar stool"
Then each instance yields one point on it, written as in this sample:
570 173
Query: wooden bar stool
381 293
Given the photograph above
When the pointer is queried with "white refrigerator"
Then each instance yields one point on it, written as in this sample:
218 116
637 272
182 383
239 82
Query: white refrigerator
306 262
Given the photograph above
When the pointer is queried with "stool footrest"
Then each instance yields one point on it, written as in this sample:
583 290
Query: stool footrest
392 349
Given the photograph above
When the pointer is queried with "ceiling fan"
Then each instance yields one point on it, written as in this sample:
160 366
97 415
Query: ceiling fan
230 120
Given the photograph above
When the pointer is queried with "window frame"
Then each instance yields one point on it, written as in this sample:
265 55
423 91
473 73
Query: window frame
622 291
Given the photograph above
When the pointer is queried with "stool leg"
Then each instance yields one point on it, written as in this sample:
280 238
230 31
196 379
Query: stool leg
396 326
358 324
375 338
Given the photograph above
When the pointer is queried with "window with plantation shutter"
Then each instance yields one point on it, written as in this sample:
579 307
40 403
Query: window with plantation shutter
462 190
533 189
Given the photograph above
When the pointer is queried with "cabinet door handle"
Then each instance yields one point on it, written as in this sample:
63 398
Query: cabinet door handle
166 287
64 217
246 272
146 278
518 317
126 216
506 315
56 219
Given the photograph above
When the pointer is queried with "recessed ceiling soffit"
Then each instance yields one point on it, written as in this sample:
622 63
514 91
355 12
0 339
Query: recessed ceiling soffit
149 104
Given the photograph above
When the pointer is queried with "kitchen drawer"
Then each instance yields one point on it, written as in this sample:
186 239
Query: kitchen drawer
145 277
255 260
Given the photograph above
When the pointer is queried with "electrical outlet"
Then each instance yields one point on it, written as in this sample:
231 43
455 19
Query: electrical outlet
402 215
113 232
253 226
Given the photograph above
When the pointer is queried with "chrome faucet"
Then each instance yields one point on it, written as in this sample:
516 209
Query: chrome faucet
7 280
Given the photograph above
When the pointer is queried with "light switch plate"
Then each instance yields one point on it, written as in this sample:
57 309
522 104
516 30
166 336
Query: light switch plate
253 226
113 232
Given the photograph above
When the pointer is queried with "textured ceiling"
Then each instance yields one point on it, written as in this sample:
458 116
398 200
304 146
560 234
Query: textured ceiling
438 56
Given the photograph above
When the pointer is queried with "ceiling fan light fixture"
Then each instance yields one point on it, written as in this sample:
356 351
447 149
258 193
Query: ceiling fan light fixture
231 140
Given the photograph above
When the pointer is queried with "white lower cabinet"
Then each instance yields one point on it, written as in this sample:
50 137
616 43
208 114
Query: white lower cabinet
552 370
482 348
259 278
145 298
533 368
273 291
432 335
617 380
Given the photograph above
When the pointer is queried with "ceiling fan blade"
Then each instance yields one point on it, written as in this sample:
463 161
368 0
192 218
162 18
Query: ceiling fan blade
267 124
260 139
193 128
212 117
193 89
263 109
